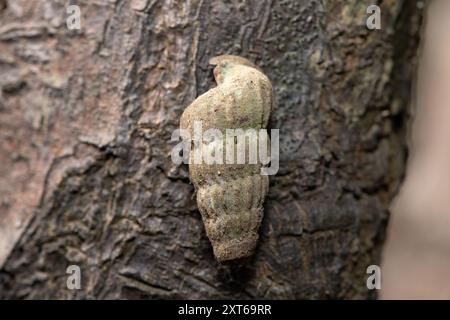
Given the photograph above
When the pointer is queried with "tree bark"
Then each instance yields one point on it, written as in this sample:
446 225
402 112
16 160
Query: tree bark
87 116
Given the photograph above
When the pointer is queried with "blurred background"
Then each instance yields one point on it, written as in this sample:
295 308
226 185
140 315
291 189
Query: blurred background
416 261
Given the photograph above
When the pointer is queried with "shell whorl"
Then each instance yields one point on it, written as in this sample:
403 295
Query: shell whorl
230 197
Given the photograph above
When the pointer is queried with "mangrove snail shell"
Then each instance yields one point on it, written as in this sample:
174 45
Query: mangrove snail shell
230 197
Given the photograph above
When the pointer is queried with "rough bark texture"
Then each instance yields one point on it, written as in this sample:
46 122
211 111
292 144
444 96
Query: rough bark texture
86 118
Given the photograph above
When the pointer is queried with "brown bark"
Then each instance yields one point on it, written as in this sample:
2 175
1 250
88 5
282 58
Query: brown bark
86 118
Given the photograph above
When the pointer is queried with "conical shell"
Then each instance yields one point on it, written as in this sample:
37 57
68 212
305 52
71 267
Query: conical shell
230 197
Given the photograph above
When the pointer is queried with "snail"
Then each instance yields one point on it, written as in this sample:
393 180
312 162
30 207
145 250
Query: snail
230 194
